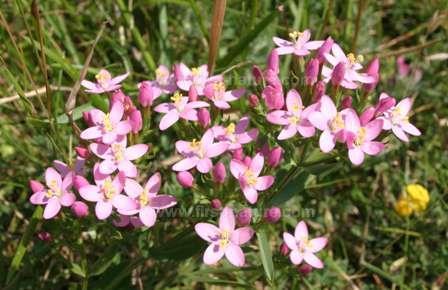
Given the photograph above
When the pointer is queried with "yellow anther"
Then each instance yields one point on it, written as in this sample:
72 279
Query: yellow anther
361 136
103 77
360 58
295 35
195 71
224 239
117 150
231 128
107 124
294 120
143 199
108 189
219 87
177 97
250 178
337 123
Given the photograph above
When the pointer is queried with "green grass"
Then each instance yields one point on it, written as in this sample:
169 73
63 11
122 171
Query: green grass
371 246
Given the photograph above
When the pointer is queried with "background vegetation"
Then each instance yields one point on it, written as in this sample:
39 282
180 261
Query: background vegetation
371 246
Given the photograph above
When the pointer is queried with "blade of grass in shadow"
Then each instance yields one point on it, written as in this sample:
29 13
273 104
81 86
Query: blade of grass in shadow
266 255
327 11
219 10
197 12
247 39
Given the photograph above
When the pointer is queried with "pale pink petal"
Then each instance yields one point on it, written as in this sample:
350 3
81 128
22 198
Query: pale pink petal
318 120
317 244
89 85
306 131
290 241
100 150
338 53
61 167
285 50
293 101
204 165
405 106
313 44
227 220
372 147
183 147
301 231
288 132
53 178
237 168
400 134
128 168
135 151
123 127
234 94
207 138
118 79
148 216
411 129
164 108
247 137
103 210
278 117
153 184
123 202
132 188
326 141
216 149
197 105
264 182
39 198
110 137
235 255
52 208
186 164
90 193
242 235
213 254
250 194
207 232
281 42
168 120
189 114
257 164
67 199
373 129
296 257
107 166
162 201
356 155
221 104
116 112
312 260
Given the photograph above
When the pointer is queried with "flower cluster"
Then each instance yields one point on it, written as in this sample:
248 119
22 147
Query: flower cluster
330 100
415 199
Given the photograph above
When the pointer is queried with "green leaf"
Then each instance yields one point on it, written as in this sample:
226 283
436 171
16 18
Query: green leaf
106 260
293 187
182 246
266 255
77 269
76 114
100 102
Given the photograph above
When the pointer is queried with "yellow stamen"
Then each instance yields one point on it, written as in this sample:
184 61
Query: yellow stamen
355 59
195 71
230 129
195 144
225 239
250 178
337 123
177 97
143 199
103 77
117 150
294 120
107 124
108 189
361 136
295 35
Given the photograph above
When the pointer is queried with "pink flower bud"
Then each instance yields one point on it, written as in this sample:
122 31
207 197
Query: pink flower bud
325 48
338 74
385 103
264 150
273 61
312 72
82 152
145 94
275 156
305 269
36 186
185 179
192 94
122 221
257 74
244 217
219 172
87 118
135 119
79 181
204 117
44 236
272 215
247 160
117 96
216 203
238 154
80 209
253 100
319 90
273 97
272 79
346 102
367 115
284 250
402 66
373 70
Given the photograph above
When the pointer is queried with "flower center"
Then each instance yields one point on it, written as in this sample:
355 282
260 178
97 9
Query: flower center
143 199
295 35
195 71
230 129
354 59
161 76
251 179
337 123
103 78
176 98
118 152
397 116
108 189
107 124
224 239
294 120
219 89
53 190
361 136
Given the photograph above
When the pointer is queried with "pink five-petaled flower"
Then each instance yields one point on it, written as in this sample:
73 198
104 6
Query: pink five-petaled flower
146 199
165 83
199 154
107 126
195 77
56 195
248 177
225 240
397 119
118 156
179 108
331 122
294 119
302 248
360 137
300 44
216 92
351 63
236 135
106 193
104 82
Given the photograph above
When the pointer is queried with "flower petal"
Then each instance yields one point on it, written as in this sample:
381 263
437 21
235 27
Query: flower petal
296 257
135 151
213 254
242 235
207 232
227 220
148 216
313 260
290 241
264 182
235 255
168 120
301 231
103 210
52 208
317 244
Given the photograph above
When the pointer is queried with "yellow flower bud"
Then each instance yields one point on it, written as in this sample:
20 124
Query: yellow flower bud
418 196
403 207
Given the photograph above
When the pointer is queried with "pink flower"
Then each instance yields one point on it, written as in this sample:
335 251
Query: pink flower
146 201
195 77
118 156
273 61
107 126
64 169
58 193
199 154
273 97
331 122
106 193
397 120
225 240
302 248
300 44
135 120
360 138
105 82
236 135
351 63
204 117
165 83
294 119
179 108
216 92
402 66
248 177
372 70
